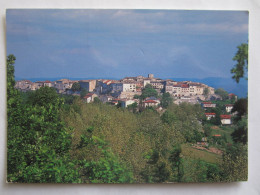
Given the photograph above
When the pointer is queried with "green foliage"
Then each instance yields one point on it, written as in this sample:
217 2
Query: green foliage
49 141
206 92
136 96
149 91
207 130
133 107
45 96
196 170
75 87
169 117
222 93
185 118
106 168
240 108
83 93
68 99
240 133
235 163
176 163
166 100
241 58
215 120
38 142
97 100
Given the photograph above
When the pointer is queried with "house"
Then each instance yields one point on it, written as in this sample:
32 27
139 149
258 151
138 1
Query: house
150 103
115 101
47 83
103 86
125 103
185 90
210 115
208 105
24 85
169 88
63 84
38 84
146 81
232 96
105 98
89 97
89 85
157 84
229 107
185 98
225 119
152 98
124 87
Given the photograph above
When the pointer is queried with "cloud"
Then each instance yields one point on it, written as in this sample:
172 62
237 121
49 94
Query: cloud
103 59
113 39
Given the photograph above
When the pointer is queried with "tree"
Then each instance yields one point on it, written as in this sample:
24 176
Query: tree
206 92
97 100
240 133
149 91
242 62
83 93
38 143
133 107
240 108
222 93
168 117
235 163
136 96
44 96
75 87
166 100
175 160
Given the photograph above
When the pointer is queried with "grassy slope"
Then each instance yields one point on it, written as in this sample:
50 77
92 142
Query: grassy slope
189 152
223 130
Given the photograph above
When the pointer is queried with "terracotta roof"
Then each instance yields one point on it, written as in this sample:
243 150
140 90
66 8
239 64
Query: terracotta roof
210 114
116 99
47 82
229 105
207 102
217 135
185 86
107 81
87 96
150 101
223 116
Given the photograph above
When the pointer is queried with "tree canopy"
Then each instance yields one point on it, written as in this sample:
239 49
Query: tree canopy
149 91
222 93
75 87
166 100
241 57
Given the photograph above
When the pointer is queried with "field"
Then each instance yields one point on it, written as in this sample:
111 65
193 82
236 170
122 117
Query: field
224 131
189 152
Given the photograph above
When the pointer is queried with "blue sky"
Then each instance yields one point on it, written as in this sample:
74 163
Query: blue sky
118 43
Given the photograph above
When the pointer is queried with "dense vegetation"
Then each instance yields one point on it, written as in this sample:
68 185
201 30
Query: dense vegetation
61 139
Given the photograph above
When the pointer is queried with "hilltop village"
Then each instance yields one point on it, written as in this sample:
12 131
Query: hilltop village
127 91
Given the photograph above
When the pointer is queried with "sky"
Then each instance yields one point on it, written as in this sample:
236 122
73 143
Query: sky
105 43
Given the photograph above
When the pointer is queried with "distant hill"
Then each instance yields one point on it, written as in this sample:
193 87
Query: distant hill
228 84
